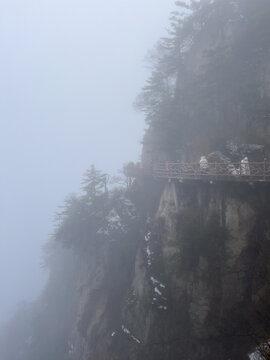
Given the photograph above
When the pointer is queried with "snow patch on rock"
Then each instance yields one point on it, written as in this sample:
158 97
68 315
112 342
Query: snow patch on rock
128 332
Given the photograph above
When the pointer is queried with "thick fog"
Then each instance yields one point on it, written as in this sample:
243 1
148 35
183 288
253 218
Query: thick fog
70 71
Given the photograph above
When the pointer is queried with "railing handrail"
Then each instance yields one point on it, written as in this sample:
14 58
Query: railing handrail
212 163
259 171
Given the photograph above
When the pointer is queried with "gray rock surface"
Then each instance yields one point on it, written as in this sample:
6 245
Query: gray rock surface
192 287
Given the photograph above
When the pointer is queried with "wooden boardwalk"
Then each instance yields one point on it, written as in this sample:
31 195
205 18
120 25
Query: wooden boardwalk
251 172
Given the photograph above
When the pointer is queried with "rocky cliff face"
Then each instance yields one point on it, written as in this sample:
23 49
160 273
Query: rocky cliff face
193 286
211 83
188 278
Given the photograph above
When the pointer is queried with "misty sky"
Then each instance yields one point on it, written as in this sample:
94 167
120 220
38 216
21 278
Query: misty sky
69 73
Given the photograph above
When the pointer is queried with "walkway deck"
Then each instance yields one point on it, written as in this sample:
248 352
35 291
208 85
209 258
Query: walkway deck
255 171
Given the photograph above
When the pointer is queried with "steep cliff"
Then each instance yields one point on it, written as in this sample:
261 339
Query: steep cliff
195 286
188 279
210 81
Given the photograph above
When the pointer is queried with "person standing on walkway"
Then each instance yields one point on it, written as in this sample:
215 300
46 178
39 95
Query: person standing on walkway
203 164
244 166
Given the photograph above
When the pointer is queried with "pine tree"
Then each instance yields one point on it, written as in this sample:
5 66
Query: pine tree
94 183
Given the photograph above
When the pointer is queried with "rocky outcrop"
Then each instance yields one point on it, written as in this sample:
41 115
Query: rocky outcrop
194 286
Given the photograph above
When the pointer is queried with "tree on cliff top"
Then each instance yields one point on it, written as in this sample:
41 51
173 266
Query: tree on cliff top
94 183
207 84
81 217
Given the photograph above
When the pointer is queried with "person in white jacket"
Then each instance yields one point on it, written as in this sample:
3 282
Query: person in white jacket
245 169
203 164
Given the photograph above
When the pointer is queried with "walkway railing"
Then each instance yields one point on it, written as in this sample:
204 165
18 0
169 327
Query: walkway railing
253 171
